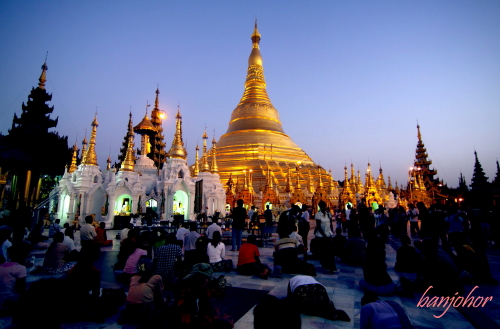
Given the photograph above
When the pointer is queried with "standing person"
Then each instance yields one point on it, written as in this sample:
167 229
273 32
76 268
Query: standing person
423 216
403 220
324 234
304 225
413 215
252 214
87 231
268 216
238 214
347 218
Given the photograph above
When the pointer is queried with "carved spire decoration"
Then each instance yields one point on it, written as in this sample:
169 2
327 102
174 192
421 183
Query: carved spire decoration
196 169
128 163
214 169
43 76
177 150
204 160
158 154
90 157
73 165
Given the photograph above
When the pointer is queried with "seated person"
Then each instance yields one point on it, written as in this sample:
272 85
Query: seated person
339 242
130 268
84 282
165 259
69 241
438 270
192 302
375 276
354 252
286 255
54 257
36 237
382 314
125 230
213 228
408 259
216 251
101 237
144 300
127 247
159 236
310 297
54 228
181 233
13 276
191 253
249 261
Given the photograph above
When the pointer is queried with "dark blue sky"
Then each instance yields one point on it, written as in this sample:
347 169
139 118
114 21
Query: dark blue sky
349 78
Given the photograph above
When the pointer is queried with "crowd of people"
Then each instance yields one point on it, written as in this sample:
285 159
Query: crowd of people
170 278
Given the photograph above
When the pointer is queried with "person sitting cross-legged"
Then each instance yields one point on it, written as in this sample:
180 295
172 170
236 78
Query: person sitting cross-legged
249 261
216 251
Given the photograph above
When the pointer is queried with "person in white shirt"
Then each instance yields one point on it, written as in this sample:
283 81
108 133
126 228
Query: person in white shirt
216 251
181 233
413 215
211 229
87 232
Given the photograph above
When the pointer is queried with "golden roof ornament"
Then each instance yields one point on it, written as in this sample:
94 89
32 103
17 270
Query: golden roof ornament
196 168
90 157
108 163
214 169
146 129
73 165
43 76
177 150
204 160
128 163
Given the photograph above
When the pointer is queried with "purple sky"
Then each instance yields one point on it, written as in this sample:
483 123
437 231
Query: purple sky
349 78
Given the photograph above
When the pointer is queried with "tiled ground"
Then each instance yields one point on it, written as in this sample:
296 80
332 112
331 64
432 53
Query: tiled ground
342 287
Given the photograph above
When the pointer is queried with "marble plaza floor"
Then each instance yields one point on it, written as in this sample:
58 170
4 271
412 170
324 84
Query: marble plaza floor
343 288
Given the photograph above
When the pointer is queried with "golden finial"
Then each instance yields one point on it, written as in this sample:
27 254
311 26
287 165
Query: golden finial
177 150
43 76
108 163
90 157
196 169
213 168
128 163
204 161
73 166
255 36
418 132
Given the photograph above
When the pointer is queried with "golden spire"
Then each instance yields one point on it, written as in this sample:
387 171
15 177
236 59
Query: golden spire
146 129
90 157
418 130
346 180
330 182
196 169
177 150
72 167
214 168
288 187
270 178
128 163
108 163
43 76
84 147
389 187
204 160
320 180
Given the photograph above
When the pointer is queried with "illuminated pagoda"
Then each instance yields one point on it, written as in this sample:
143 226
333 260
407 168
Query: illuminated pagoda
256 147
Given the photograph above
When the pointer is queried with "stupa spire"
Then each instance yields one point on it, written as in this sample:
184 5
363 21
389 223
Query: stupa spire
158 153
196 168
128 163
73 165
43 75
213 168
177 150
90 157
204 160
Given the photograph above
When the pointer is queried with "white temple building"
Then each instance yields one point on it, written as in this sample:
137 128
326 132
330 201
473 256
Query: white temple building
139 186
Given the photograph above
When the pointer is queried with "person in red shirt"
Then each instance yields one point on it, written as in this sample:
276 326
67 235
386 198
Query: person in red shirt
102 238
248 259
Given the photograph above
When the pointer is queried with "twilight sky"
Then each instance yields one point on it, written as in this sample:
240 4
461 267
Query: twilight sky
349 78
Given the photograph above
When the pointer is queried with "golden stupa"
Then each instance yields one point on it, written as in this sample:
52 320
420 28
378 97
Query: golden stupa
255 149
